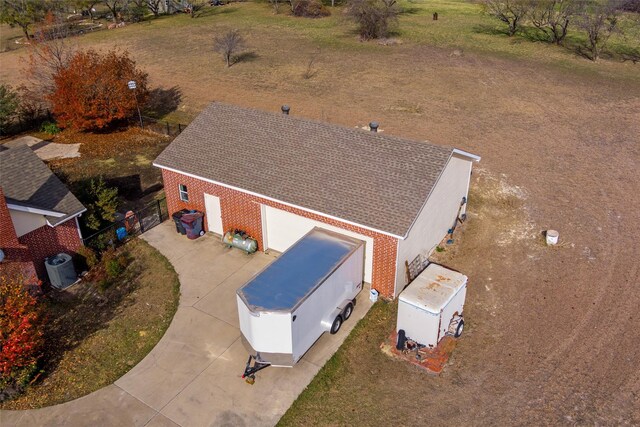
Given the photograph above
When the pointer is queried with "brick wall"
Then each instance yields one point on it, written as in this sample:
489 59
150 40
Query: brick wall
46 241
17 258
8 238
240 210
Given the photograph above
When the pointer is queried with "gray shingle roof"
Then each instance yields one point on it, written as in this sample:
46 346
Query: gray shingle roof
367 178
27 181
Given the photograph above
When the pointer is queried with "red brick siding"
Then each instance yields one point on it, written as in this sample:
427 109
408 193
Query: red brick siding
17 258
46 241
8 238
240 210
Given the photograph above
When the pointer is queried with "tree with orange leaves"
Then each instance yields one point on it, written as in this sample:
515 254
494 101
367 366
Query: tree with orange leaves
91 91
21 333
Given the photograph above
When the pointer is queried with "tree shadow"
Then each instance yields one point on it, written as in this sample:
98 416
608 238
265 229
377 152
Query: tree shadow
216 10
129 187
245 57
163 101
534 35
410 10
582 52
490 30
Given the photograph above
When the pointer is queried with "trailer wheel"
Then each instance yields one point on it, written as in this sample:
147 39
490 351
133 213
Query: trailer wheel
335 327
347 311
459 329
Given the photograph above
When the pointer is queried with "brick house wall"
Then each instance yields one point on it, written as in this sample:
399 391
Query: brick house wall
241 210
17 258
46 241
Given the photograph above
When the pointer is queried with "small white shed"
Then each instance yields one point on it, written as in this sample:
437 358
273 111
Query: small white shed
431 303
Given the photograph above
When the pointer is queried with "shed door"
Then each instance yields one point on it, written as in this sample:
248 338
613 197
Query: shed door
282 229
214 213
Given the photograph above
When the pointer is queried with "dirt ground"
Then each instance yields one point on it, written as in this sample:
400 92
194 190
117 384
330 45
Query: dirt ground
553 333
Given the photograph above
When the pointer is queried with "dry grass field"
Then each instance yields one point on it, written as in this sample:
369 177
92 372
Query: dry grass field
553 334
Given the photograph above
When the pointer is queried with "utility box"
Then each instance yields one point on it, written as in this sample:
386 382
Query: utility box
310 289
432 305
60 269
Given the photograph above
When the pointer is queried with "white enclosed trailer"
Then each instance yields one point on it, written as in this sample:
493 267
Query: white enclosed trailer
432 305
310 289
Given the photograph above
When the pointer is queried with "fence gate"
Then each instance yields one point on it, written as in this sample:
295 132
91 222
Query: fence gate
133 224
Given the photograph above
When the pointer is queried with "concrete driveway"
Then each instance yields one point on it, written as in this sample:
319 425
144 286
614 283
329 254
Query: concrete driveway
192 377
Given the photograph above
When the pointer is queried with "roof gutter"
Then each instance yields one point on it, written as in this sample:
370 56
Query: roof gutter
75 215
35 210
262 196
466 154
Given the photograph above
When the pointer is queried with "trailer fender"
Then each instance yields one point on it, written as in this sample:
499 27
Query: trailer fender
327 322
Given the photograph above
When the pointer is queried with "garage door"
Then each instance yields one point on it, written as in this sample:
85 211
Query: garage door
282 229
214 213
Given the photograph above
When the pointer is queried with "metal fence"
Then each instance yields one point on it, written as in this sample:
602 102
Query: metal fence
163 127
133 224
32 122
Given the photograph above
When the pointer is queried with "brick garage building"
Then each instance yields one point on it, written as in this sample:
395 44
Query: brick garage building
277 176
38 214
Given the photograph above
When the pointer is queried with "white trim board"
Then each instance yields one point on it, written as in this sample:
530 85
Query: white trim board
35 210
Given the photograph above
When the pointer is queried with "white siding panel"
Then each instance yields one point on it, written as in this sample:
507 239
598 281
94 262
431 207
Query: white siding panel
26 222
283 229
437 216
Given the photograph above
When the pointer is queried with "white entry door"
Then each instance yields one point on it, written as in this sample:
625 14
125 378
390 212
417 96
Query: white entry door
214 213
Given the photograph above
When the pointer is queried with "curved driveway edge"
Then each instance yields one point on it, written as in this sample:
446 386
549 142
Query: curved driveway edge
192 376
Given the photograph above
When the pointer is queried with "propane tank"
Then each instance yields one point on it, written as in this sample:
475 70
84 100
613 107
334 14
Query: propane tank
239 239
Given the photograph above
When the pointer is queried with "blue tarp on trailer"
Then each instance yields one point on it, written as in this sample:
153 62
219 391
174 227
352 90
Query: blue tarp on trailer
285 283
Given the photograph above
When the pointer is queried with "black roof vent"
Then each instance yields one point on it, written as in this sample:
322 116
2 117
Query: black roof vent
373 126
285 109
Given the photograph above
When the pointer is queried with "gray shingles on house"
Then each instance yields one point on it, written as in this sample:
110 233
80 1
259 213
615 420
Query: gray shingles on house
367 178
28 182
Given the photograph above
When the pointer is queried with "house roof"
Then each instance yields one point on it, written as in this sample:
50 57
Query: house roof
377 181
29 185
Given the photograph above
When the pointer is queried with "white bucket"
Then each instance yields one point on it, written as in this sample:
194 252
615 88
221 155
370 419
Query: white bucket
552 237
373 295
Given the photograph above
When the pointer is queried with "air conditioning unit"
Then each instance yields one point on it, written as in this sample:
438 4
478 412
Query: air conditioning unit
61 271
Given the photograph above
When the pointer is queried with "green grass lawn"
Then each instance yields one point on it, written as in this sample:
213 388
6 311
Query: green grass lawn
461 25
96 332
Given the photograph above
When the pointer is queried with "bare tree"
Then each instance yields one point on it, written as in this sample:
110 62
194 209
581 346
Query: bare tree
154 6
228 44
310 71
276 6
511 12
49 53
553 17
114 7
599 20
373 17
196 6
